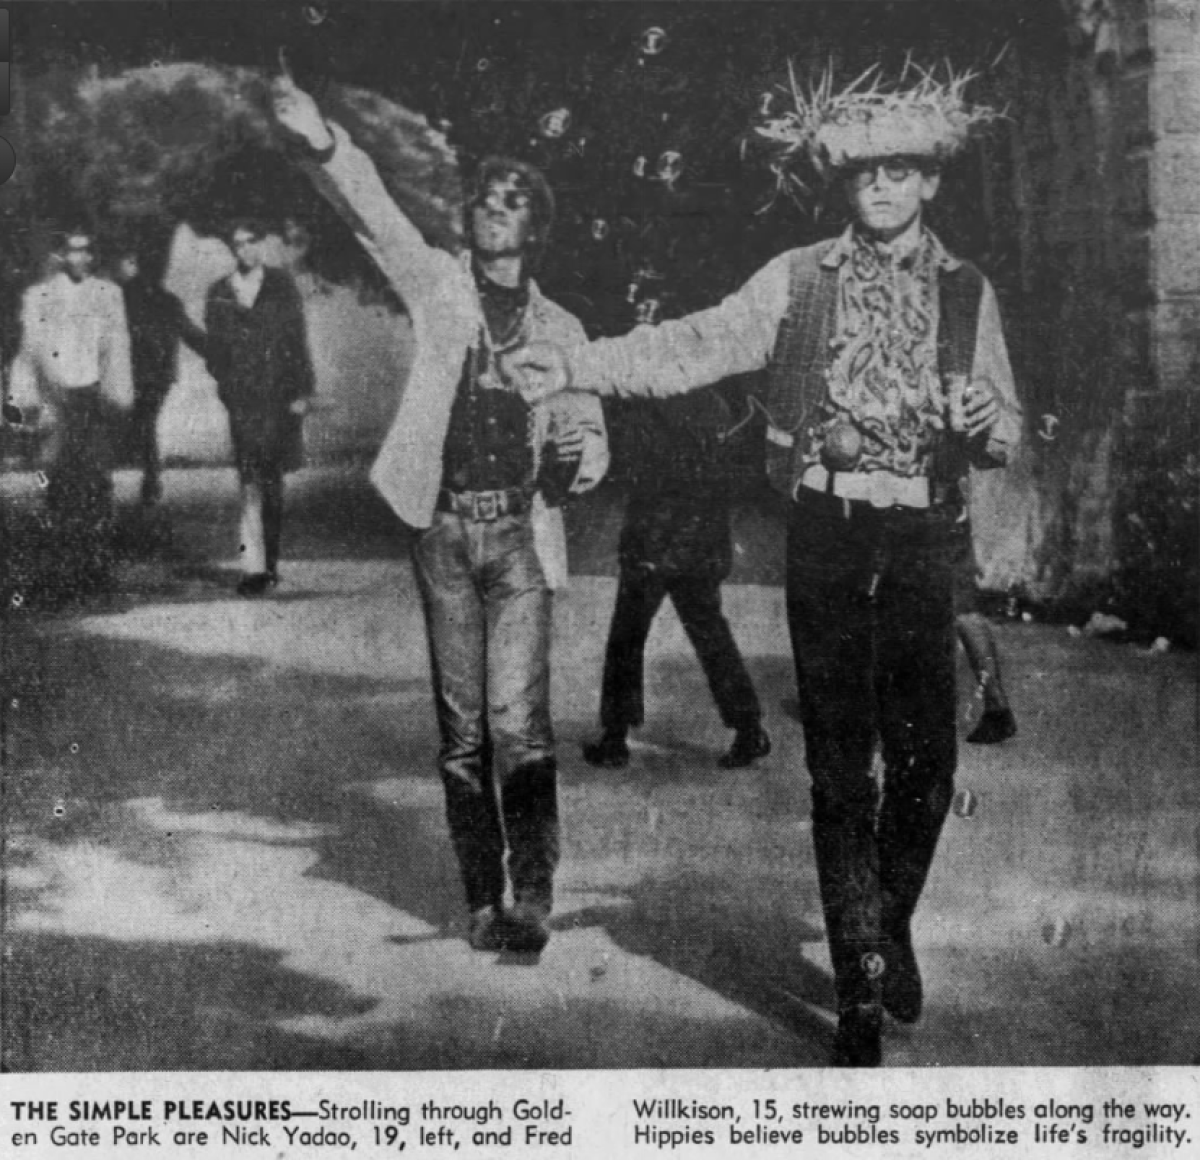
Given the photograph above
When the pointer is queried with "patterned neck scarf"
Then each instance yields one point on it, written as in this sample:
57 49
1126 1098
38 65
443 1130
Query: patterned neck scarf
883 377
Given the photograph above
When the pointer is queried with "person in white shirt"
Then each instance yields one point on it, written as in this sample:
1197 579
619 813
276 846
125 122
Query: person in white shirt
74 364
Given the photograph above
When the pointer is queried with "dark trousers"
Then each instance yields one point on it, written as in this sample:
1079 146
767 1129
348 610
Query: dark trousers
697 600
79 492
870 610
261 524
488 612
143 436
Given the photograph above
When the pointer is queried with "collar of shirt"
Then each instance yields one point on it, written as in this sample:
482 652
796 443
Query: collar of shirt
506 297
68 287
843 247
246 287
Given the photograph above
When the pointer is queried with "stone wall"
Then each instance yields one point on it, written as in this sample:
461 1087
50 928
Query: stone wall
1105 327
1156 514
1173 28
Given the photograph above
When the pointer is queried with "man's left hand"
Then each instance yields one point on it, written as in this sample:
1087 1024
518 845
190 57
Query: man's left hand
569 445
300 406
981 407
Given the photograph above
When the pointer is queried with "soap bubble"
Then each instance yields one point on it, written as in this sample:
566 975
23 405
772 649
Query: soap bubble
555 123
670 166
648 311
653 41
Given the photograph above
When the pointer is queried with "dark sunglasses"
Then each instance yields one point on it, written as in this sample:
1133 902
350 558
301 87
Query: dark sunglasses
895 169
513 199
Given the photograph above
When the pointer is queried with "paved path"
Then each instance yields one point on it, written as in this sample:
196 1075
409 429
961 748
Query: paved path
224 844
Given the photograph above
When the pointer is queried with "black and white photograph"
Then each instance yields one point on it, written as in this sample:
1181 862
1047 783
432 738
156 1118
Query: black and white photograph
543 537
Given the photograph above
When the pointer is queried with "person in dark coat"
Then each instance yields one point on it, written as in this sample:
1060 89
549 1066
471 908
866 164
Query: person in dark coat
257 350
157 322
676 542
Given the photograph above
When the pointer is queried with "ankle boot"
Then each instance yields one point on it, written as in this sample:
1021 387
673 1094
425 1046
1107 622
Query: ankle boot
749 744
609 751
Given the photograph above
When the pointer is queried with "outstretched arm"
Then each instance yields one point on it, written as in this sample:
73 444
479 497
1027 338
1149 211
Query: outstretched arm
348 179
669 359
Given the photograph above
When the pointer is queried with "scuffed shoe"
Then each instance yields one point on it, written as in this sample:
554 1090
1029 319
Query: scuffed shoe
254 584
994 726
857 1042
903 994
485 931
525 929
748 745
609 752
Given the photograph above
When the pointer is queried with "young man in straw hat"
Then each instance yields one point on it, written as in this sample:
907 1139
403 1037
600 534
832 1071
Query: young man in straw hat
887 371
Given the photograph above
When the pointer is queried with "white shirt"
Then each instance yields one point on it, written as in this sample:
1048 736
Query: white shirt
75 335
246 286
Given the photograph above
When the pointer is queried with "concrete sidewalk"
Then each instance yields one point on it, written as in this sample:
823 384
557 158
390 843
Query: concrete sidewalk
224 842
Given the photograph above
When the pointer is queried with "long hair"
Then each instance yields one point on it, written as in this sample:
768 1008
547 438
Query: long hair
530 179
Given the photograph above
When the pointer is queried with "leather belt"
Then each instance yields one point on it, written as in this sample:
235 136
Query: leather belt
484 506
881 489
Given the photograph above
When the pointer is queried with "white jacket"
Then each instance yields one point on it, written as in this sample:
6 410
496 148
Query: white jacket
439 292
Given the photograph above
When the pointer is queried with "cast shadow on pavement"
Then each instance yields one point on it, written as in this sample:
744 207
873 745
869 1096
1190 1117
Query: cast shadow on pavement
176 780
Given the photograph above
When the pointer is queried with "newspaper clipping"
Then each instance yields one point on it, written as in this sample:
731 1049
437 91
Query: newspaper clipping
599 579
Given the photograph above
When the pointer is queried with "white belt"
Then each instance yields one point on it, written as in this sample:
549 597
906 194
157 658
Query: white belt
881 489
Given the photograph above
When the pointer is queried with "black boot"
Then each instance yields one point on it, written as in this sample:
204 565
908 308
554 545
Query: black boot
525 927
529 801
907 844
903 994
857 1042
609 751
994 726
253 584
485 931
749 744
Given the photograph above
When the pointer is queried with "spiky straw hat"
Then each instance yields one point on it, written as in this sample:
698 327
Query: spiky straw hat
869 119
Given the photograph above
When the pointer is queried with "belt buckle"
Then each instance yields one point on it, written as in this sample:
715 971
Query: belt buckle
485 506
882 493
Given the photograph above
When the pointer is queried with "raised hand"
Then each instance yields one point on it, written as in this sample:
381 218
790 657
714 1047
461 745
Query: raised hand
297 112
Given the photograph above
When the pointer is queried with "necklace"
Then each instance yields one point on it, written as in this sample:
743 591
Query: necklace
488 347
488 377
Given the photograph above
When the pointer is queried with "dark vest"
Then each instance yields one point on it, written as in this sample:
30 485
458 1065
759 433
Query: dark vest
796 374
